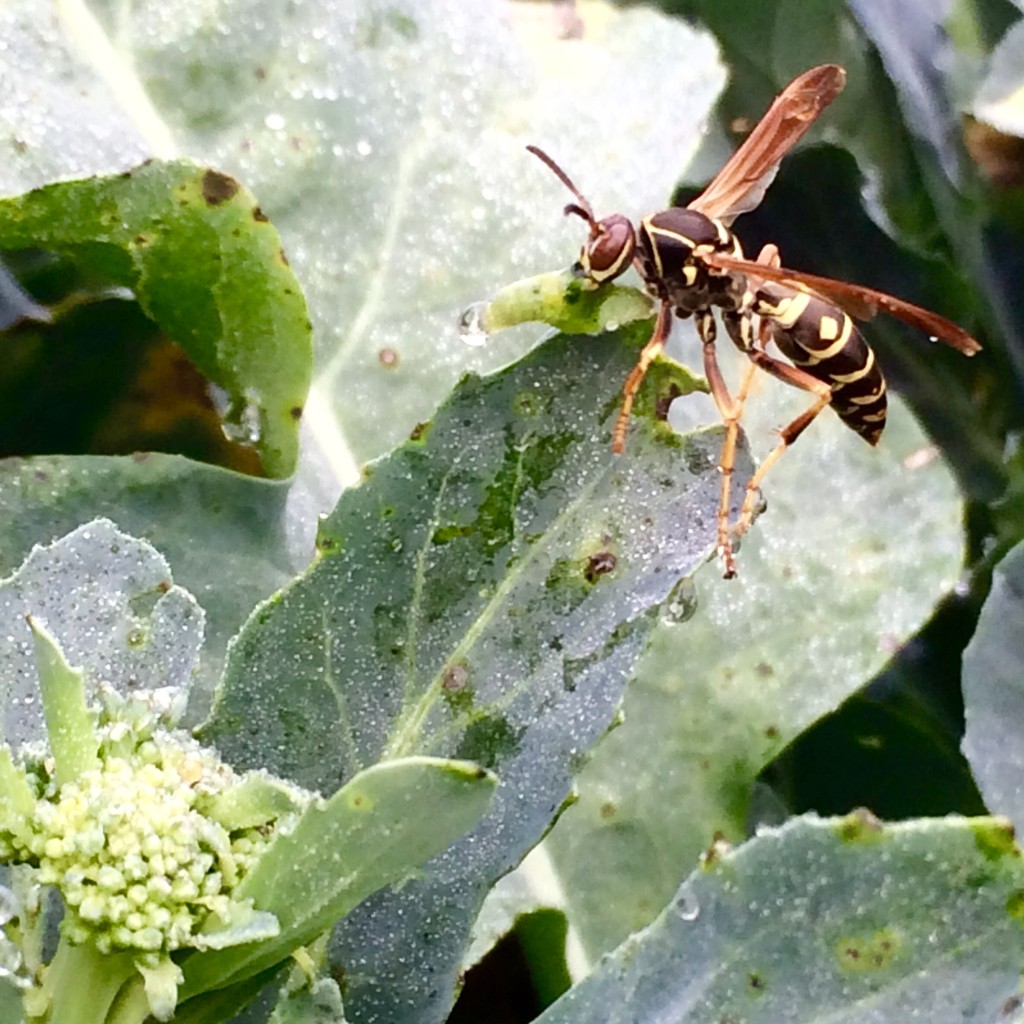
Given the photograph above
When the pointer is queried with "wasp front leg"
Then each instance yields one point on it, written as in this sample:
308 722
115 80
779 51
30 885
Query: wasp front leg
648 354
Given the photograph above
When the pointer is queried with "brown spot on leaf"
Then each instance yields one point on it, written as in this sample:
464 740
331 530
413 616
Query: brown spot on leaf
388 358
218 187
259 216
599 564
454 678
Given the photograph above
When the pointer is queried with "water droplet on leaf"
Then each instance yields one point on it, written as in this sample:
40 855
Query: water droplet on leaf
686 904
681 603
471 325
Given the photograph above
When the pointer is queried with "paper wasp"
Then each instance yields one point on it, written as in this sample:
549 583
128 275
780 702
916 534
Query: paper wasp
690 260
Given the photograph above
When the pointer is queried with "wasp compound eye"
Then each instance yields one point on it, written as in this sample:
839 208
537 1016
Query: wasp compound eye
610 252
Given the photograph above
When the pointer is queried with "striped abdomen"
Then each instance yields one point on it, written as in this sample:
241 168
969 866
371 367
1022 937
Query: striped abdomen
820 338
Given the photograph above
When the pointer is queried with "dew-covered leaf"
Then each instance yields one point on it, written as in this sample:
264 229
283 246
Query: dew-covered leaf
377 829
993 681
842 920
206 266
483 594
230 539
317 1003
109 601
853 552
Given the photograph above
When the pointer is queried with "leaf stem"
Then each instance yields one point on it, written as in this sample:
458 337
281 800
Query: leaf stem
82 984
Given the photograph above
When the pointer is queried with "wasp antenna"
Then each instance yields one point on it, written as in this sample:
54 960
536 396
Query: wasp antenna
578 211
584 209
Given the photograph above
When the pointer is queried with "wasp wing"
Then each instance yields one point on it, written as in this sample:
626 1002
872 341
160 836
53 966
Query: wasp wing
859 301
741 184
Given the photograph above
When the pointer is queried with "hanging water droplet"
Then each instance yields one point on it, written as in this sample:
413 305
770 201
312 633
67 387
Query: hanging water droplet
241 420
681 603
686 904
471 325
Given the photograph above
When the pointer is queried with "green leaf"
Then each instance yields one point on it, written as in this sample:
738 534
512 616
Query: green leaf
484 594
841 920
69 728
993 682
11 1011
108 600
320 1003
206 266
17 801
227 537
851 555
374 831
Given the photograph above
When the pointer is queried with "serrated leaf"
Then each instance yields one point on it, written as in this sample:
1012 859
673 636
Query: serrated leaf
109 601
226 537
205 265
840 920
484 594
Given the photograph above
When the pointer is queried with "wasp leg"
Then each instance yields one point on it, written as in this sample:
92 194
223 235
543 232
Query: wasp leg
648 354
788 434
740 328
731 411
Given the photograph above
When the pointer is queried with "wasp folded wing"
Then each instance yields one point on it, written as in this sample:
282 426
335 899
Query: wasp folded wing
858 300
741 184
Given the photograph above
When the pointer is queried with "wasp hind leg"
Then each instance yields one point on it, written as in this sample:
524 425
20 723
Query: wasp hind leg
731 411
795 377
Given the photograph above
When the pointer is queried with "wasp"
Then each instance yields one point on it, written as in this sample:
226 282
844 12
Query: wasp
691 261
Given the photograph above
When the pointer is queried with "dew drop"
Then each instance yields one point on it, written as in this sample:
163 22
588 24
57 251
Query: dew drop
275 122
681 603
135 637
686 904
471 325
241 420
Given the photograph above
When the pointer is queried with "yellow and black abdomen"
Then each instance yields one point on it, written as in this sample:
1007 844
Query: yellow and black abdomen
818 337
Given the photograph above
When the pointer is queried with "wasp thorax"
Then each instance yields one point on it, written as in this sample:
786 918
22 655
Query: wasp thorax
609 251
